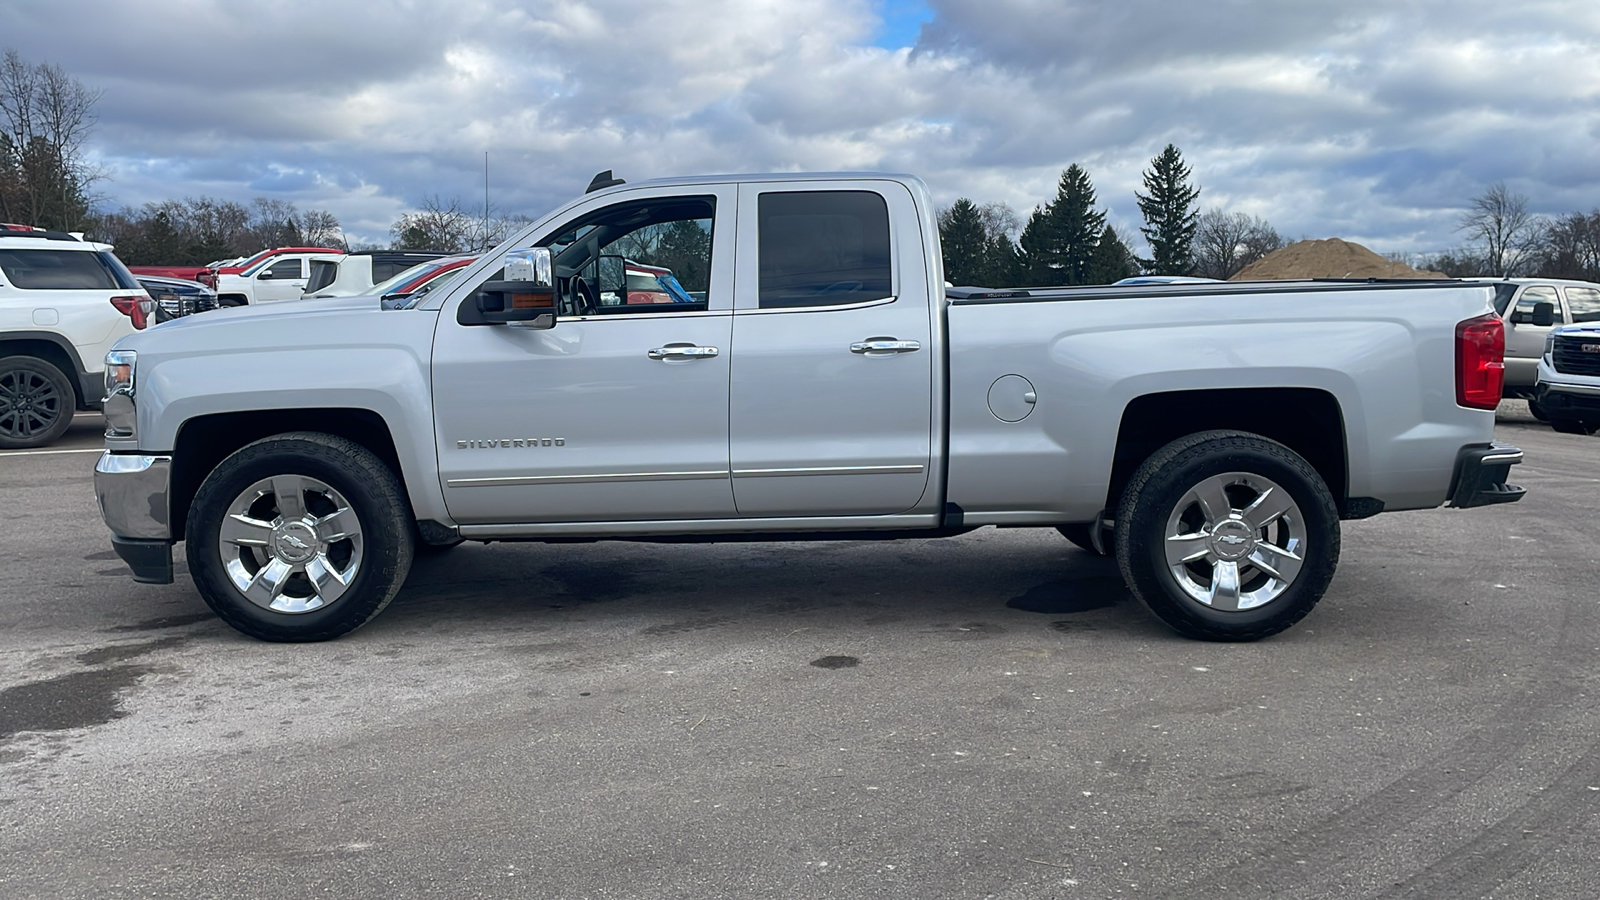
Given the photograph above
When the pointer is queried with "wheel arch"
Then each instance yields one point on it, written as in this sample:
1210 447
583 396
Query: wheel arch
54 349
205 441
1308 421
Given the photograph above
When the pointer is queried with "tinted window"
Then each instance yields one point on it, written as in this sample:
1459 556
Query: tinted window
383 271
285 268
322 274
823 248
1523 314
57 270
1502 296
1584 303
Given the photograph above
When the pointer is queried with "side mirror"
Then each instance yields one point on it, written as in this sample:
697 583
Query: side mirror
266 275
527 295
1544 314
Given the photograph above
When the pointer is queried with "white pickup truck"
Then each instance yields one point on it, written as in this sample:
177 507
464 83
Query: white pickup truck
793 367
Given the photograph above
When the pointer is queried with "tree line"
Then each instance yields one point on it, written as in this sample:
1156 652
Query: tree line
1068 242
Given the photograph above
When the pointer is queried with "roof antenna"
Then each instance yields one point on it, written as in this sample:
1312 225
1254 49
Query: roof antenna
602 181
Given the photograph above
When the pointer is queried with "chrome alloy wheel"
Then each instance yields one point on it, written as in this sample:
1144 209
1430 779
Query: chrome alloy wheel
290 544
1235 541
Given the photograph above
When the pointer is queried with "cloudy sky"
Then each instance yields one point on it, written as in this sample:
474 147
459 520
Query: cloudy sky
1371 120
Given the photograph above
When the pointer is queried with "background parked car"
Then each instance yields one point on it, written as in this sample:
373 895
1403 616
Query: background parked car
177 297
63 303
411 285
1518 300
270 275
348 274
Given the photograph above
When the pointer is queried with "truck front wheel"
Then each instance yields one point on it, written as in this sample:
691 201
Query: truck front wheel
299 537
1227 536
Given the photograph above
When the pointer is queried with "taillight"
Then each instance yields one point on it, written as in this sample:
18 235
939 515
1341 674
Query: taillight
136 308
207 277
1480 361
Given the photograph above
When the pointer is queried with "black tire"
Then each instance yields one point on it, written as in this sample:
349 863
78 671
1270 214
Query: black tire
1536 409
1204 582
1574 426
352 512
1080 536
36 403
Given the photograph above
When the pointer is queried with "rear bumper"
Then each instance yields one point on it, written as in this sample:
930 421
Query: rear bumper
1480 478
133 491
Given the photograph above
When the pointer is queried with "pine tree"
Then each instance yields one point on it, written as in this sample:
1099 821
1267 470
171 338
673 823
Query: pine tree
1169 214
1061 236
1111 261
965 246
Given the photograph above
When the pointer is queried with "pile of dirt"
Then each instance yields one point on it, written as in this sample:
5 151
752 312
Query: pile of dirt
1331 258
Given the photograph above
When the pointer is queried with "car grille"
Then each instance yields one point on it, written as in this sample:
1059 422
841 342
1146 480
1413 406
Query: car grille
177 307
1572 358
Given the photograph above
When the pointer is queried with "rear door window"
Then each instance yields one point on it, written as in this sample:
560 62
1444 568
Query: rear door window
57 270
823 248
1584 303
323 272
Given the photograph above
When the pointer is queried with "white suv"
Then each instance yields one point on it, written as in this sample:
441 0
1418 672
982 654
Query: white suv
63 303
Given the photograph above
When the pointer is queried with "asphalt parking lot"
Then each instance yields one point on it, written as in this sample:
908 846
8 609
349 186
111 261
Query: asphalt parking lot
984 716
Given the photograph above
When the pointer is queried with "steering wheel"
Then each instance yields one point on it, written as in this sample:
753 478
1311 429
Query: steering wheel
583 294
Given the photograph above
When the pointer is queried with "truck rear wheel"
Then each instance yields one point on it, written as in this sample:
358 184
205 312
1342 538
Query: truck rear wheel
36 403
299 537
1227 536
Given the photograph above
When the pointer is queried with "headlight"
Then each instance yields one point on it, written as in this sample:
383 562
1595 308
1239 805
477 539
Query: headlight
118 407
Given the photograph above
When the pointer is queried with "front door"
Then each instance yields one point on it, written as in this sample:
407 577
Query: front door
619 412
832 396
1525 340
284 279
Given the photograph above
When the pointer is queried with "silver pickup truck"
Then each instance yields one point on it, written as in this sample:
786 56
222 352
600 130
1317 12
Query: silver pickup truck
778 357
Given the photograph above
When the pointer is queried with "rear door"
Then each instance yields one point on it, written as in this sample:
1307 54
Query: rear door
831 408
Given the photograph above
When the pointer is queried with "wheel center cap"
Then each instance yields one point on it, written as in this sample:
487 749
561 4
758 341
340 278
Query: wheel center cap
294 542
1233 540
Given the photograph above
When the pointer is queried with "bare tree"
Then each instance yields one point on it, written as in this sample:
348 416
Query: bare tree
446 225
320 228
45 118
439 225
1501 229
1224 243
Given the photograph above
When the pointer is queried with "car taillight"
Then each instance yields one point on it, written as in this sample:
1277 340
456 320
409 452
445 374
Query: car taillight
136 308
207 277
1480 361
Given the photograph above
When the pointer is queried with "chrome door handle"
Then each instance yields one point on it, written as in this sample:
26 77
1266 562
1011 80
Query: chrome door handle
683 351
885 345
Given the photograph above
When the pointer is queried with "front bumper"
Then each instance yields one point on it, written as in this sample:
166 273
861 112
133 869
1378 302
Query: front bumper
133 491
1480 478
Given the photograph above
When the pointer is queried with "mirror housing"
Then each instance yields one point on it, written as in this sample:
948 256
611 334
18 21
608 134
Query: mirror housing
1544 314
526 295
266 275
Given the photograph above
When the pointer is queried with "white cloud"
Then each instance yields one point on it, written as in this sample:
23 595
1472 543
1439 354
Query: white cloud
1373 120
